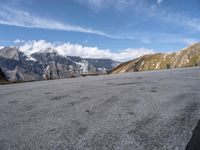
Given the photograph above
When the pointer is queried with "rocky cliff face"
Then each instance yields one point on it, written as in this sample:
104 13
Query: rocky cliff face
16 66
187 57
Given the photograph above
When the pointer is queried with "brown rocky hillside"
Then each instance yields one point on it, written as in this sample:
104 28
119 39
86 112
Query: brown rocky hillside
187 57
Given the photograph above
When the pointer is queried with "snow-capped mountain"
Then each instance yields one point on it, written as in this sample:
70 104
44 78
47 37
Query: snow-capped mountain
48 64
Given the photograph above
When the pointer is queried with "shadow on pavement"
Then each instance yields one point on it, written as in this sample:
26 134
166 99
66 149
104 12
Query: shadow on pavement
194 143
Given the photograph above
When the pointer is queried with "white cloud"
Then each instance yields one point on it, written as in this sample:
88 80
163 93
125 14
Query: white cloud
20 1
179 19
68 49
190 40
175 18
100 4
159 1
18 41
149 10
10 16
161 38
4 41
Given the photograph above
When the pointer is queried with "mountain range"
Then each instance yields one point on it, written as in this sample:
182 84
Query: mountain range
187 57
16 65
49 64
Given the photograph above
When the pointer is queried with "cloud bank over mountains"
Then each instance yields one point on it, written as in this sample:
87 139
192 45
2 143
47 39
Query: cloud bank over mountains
69 49
134 31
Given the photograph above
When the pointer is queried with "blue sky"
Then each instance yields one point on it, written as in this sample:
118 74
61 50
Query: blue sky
111 25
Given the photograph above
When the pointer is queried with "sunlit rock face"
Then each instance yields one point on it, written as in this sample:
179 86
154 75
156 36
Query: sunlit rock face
187 57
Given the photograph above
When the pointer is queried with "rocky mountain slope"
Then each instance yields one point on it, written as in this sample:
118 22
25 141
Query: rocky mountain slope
17 66
187 57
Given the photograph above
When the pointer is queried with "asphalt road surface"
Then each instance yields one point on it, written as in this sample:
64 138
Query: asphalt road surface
155 110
